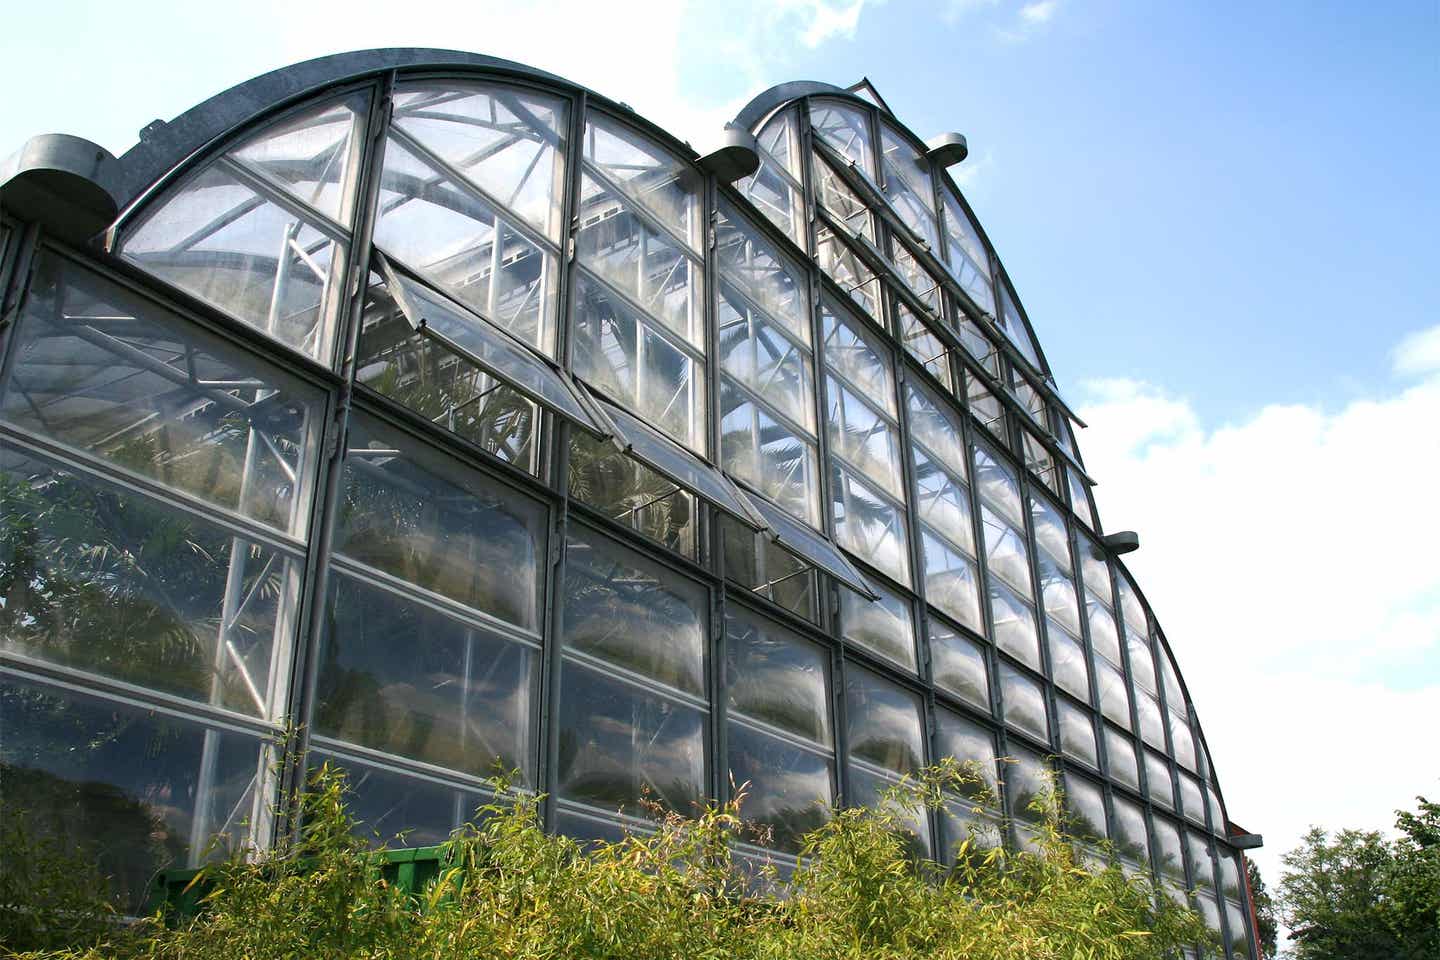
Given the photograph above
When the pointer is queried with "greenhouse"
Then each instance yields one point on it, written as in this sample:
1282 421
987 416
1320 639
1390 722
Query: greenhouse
427 414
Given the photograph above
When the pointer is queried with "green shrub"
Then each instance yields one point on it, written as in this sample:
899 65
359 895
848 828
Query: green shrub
508 890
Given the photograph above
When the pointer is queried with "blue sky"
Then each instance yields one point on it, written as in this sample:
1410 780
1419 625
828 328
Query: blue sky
1221 218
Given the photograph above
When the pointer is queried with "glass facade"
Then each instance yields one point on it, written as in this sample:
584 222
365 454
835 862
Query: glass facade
468 423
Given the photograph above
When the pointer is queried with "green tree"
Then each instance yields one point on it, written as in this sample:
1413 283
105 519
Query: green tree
1264 909
1357 895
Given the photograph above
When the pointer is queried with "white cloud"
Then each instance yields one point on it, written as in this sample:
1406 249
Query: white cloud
1040 12
827 21
1418 353
1292 560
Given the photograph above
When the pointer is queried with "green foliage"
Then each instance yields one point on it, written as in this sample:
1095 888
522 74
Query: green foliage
1265 929
1359 896
507 889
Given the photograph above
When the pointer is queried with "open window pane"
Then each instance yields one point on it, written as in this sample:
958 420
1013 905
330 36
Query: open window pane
480 342
681 466
814 548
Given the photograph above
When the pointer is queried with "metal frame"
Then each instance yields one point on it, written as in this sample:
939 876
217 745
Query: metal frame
170 154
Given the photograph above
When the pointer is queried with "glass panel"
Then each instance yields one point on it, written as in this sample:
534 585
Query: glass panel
1068 664
1238 939
758 563
1157 779
869 526
1229 874
859 358
808 544
508 141
114 583
1050 533
467 246
629 610
916 278
773 189
951 581
759 355
773 457
959 665
1168 852
1132 611
132 790
442 385
644 264
883 722
1015 329
399 810
646 173
618 353
1152 727
463 332
866 440
1005 552
774 676
220 240
962 822
845 128
105 371
973 746
420 516
866 788
788 790
1077 733
620 745
998 485
311 155
626 490
655 450
1114 697
1174 696
986 407
966 255
403 678
841 202
1218 822
1080 499
922 344
767 278
1014 625
1058 595
1120 751
1027 781
1104 637
937 427
1209 911
1095 572
848 270
943 502
1085 805
1024 702
977 343
1131 837
1142 664
908 185
1192 800
883 626
1183 741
